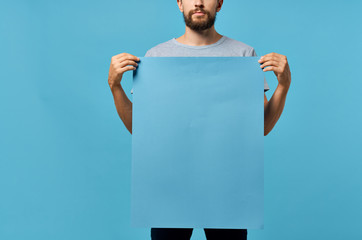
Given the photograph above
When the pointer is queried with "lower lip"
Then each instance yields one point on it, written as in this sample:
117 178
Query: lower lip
199 14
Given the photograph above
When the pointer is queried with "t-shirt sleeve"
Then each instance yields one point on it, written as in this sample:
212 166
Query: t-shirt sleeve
266 86
149 53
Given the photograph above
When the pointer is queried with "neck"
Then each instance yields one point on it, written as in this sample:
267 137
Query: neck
194 38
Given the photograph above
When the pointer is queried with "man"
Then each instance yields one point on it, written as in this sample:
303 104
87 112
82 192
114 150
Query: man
201 39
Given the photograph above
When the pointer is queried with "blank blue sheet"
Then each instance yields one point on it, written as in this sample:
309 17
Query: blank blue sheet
197 143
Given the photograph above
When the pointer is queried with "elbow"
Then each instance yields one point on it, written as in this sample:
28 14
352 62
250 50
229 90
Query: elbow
266 131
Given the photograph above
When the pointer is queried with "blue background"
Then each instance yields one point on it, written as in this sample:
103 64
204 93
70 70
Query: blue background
66 155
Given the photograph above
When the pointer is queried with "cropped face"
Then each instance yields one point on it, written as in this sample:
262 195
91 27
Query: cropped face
199 15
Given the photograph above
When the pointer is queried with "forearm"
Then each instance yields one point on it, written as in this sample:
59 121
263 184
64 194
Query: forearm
274 108
123 106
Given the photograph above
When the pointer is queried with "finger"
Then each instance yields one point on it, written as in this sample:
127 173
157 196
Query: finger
131 57
128 58
270 63
271 68
268 55
119 55
126 69
267 58
123 56
273 55
127 62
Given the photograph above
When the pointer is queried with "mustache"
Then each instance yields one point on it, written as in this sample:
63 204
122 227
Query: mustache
198 10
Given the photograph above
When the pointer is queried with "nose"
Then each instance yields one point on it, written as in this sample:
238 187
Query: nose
199 3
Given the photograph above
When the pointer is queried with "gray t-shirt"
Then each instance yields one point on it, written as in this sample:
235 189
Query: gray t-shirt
225 47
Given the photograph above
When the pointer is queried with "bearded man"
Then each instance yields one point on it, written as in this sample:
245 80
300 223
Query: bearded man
201 39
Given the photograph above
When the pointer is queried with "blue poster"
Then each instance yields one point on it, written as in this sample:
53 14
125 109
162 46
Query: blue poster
197 143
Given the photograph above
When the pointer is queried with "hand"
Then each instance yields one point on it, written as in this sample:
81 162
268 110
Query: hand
279 64
119 65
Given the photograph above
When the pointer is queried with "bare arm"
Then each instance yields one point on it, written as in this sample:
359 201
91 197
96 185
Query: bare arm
123 106
274 108
120 64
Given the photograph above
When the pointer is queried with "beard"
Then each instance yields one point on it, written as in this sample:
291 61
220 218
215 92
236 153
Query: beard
199 25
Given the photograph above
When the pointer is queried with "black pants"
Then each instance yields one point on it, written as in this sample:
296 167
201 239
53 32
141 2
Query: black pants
185 234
